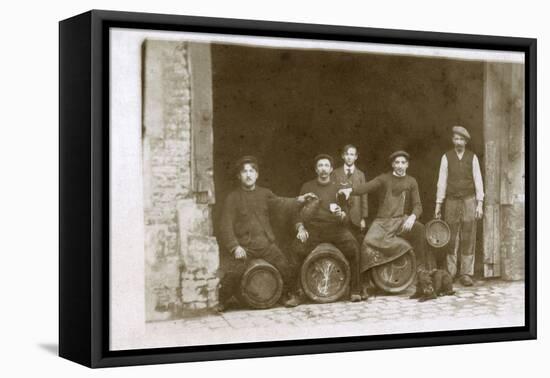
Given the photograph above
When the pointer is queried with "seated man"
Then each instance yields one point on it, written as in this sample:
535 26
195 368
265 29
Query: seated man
395 230
246 232
326 223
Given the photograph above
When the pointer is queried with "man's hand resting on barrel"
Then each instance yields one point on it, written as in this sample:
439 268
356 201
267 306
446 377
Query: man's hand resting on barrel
239 253
302 233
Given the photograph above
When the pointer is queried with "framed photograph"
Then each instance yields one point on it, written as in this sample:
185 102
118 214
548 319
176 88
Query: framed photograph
234 188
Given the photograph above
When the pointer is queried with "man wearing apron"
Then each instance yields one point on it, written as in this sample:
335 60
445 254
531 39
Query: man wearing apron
395 230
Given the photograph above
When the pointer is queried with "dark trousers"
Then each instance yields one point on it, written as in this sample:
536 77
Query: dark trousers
417 237
232 269
460 215
341 238
357 233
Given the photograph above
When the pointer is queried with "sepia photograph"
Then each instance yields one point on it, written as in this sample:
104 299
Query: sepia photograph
268 189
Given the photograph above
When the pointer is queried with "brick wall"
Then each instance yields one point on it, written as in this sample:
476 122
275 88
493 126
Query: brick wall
181 254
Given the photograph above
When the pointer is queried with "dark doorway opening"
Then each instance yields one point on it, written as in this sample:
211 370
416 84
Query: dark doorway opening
286 105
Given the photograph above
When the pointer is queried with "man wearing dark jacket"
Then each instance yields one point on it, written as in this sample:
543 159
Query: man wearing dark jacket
328 223
246 232
350 175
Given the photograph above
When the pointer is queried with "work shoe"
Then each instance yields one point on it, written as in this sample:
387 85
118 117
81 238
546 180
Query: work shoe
220 307
466 280
365 293
355 298
223 306
292 301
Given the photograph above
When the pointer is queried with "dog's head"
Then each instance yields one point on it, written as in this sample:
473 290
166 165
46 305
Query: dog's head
309 209
423 277
428 290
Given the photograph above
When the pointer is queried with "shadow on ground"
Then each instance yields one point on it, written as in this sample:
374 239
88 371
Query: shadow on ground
50 347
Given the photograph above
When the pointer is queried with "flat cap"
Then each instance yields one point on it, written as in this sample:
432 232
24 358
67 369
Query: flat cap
461 131
399 153
246 159
324 156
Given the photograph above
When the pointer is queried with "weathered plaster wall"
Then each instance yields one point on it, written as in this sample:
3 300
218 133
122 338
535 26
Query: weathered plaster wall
181 254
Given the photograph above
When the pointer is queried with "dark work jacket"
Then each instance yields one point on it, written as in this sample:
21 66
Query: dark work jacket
245 220
358 205
321 214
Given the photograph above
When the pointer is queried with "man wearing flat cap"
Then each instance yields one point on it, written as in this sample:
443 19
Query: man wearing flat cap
246 232
460 188
396 229
327 222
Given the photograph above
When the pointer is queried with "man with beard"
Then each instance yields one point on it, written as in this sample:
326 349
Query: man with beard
246 232
327 223
460 187
395 230
347 176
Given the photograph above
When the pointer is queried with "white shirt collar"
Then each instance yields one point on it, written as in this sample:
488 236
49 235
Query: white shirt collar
350 169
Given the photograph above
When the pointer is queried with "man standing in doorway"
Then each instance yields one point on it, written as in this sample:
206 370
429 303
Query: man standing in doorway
460 187
349 175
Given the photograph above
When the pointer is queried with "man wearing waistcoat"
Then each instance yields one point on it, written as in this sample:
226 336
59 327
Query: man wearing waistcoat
460 188
348 176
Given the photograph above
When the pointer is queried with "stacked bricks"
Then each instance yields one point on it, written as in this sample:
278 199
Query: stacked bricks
181 254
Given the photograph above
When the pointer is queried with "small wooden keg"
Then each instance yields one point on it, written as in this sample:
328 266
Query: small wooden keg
261 285
438 233
325 274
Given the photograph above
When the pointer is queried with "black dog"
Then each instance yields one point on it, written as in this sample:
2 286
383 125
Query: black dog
430 285
309 209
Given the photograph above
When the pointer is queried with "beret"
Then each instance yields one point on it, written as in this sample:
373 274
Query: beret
399 153
461 131
324 156
246 159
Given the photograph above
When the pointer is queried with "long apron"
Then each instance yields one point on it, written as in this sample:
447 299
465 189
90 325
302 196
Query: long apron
382 243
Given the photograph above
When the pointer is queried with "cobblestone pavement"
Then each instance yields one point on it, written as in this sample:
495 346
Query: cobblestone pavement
499 299
487 304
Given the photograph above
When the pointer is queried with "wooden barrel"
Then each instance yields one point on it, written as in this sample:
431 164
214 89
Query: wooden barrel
438 233
325 274
397 275
261 284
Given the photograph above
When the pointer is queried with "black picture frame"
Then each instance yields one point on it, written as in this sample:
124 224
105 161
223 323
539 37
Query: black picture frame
84 187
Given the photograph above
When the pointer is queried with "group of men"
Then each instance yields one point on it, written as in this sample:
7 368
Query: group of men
339 216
